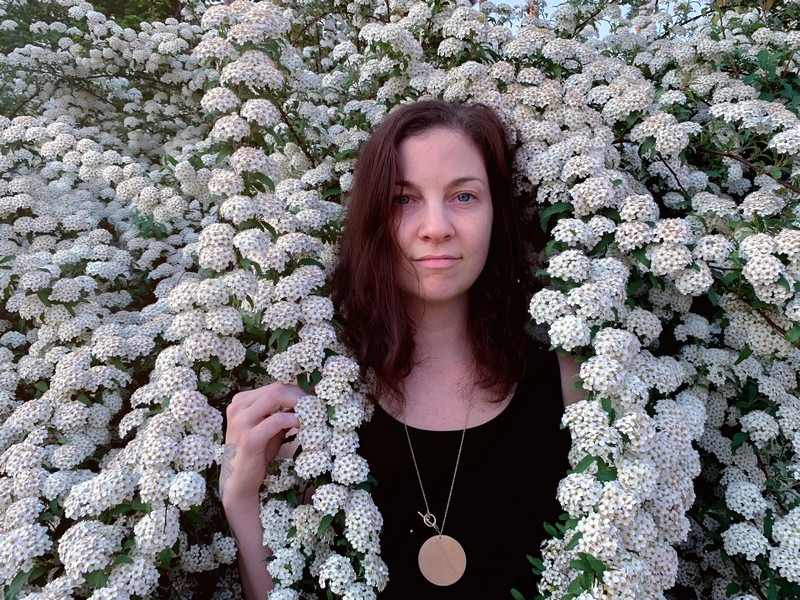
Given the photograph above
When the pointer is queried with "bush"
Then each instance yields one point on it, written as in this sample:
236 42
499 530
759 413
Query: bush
170 202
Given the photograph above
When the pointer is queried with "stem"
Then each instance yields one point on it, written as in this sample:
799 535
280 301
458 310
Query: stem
747 163
763 468
771 323
760 312
306 26
678 181
735 560
788 64
586 21
19 106
296 137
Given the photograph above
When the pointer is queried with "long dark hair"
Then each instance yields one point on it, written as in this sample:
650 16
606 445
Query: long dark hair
376 325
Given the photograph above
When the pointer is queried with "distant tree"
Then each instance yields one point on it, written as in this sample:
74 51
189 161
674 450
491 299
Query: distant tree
130 13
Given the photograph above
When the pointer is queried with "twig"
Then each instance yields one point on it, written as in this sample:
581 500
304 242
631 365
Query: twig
307 25
675 175
747 163
733 559
296 137
760 312
763 468
786 68
14 111
585 22
772 323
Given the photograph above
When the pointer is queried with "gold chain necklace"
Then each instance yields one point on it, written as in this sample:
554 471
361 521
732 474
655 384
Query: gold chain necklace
441 558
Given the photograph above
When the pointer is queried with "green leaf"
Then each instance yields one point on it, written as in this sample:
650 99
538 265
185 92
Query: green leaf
44 296
739 439
324 524
122 558
646 146
733 588
713 296
223 154
744 354
641 257
302 381
536 562
280 339
551 531
574 541
97 579
310 261
266 181
772 590
583 464
550 247
554 209
769 521
594 564
21 579
605 472
165 558
606 404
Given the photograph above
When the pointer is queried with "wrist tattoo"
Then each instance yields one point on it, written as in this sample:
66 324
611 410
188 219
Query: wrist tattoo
228 454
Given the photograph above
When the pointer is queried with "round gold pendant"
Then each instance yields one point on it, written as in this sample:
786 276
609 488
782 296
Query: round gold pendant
442 560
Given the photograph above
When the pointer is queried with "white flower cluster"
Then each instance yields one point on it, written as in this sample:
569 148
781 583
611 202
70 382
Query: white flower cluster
224 147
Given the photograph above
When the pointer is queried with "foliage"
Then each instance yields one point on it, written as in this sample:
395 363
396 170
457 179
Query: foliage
170 204
131 13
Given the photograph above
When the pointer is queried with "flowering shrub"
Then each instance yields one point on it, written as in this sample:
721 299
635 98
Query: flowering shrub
170 204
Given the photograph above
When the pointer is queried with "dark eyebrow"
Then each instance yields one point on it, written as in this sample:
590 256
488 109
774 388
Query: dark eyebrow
455 182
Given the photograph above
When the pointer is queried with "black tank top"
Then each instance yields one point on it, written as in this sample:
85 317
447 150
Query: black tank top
504 491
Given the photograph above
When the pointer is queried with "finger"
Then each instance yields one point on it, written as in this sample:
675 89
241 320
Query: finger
248 397
266 399
264 407
271 430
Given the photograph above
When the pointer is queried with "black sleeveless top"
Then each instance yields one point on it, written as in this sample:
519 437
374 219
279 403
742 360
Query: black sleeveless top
504 491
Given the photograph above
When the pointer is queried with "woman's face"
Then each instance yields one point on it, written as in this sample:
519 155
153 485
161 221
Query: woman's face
444 220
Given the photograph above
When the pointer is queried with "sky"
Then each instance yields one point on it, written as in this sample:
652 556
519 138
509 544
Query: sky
549 5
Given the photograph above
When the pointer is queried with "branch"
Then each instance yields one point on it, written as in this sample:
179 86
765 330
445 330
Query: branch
771 323
19 106
306 26
675 175
788 64
747 163
296 137
586 21
763 468
760 312
733 559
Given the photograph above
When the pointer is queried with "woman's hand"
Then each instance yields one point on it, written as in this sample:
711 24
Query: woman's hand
258 421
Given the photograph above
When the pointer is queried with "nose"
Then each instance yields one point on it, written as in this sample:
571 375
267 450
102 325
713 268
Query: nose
436 223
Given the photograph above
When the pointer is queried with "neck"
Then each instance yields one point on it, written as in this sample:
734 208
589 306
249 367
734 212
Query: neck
441 332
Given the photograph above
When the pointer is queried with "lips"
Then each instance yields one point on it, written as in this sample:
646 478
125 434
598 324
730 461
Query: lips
437 261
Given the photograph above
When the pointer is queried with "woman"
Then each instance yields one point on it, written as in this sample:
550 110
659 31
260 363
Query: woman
432 286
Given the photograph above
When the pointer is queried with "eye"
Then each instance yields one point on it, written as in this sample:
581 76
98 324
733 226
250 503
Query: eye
465 197
402 200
